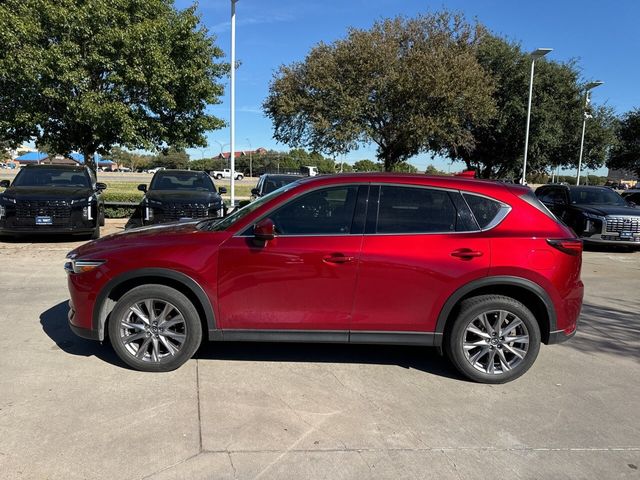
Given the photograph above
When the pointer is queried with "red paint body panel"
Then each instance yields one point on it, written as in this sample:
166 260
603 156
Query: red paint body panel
405 279
289 283
392 282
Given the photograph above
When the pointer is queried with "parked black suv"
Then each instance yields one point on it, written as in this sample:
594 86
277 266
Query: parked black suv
176 195
52 199
268 183
596 214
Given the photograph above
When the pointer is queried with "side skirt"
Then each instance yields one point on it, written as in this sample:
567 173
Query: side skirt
428 339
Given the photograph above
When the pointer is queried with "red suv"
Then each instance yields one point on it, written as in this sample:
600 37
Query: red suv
478 268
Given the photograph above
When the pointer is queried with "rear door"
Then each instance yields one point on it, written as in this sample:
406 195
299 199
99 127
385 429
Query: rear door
420 245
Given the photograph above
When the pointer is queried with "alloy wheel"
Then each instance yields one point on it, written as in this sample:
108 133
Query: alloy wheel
153 330
495 342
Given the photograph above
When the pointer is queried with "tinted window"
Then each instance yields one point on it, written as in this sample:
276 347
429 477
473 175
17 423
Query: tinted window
182 181
328 211
415 210
484 209
595 196
553 195
272 183
50 177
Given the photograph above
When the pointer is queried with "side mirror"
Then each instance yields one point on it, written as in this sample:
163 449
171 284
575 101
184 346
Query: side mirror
142 187
101 186
255 191
264 230
222 190
5 183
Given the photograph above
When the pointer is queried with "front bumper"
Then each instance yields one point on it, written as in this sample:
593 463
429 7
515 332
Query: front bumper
87 333
612 239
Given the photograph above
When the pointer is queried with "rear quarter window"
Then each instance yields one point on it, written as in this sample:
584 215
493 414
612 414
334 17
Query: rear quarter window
485 210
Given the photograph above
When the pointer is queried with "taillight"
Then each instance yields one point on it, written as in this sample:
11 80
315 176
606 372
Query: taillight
570 246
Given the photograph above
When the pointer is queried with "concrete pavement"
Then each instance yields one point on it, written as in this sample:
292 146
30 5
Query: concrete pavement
69 409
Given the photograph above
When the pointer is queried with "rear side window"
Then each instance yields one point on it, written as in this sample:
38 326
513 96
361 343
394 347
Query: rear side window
415 210
532 200
484 209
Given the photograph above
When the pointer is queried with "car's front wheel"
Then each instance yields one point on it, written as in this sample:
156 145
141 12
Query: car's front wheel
155 328
494 339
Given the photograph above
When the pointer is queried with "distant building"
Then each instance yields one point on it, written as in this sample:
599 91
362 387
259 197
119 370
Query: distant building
38 158
241 153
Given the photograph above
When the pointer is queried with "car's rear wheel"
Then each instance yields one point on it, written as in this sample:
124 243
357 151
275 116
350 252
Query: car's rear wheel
155 328
494 339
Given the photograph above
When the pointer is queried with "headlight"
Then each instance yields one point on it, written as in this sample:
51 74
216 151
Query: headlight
154 203
4 199
82 266
3 212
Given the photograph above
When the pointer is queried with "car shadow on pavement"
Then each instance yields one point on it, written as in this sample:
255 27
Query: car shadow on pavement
609 330
25 238
419 358
55 325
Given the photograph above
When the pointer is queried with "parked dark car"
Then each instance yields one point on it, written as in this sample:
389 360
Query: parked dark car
52 199
268 183
632 196
178 195
596 214
478 268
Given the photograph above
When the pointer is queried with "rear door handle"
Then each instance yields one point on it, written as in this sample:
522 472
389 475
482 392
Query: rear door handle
337 258
466 253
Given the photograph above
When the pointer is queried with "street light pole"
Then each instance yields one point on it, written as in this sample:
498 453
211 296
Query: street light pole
538 53
233 103
586 115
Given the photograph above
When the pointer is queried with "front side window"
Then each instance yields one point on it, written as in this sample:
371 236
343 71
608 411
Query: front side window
328 211
415 210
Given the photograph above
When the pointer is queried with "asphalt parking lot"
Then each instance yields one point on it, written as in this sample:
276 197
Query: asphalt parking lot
70 409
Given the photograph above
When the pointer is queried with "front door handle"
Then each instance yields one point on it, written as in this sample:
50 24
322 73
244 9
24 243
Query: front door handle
466 253
337 258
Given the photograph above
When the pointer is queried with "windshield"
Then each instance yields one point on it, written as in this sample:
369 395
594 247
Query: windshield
274 183
51 177
167 180
596 196
216 225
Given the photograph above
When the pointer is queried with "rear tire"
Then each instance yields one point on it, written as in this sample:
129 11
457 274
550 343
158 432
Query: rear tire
96 233
154 328
494 339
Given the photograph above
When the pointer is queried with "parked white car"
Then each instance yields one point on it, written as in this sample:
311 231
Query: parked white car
226 173
157 169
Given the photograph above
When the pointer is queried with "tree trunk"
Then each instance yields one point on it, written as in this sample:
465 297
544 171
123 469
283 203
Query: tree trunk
89 161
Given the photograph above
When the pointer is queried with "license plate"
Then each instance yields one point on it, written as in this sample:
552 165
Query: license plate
44 221
626 235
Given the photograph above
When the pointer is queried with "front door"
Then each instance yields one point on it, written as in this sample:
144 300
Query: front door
304 279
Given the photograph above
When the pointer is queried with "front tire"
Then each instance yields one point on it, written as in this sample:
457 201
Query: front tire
494 339
154 328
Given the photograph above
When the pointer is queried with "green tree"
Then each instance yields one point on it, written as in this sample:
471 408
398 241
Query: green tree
431 170
407 85
86 75
367 166
556 116
626 153
173 158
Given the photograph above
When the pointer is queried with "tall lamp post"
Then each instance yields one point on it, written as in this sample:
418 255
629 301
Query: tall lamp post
233 103
587 99
536 54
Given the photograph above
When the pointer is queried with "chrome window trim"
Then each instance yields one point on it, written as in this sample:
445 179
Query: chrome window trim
500 216
505 209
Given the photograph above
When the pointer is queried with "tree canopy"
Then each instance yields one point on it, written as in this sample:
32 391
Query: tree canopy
407 85
86 75
626 153
556 116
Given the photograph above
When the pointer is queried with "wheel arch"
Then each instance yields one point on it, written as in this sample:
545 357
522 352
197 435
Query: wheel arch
118 286
532 295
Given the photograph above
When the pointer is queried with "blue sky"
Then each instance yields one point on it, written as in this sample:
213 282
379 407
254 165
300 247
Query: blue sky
602 36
